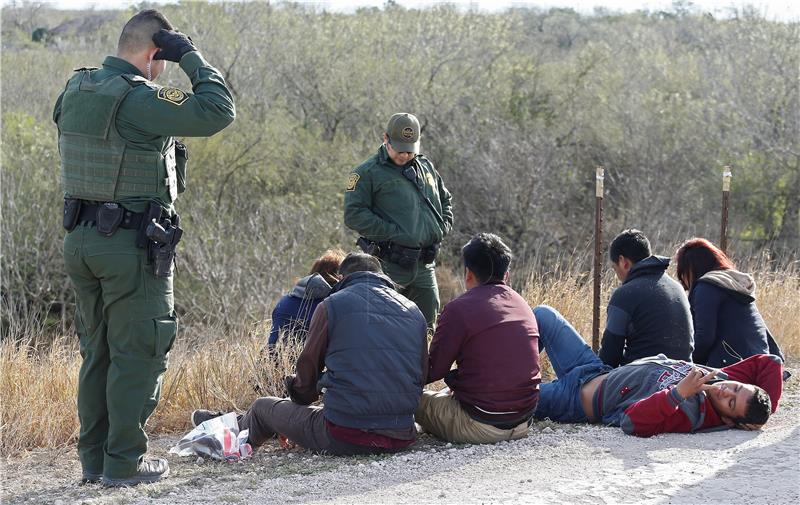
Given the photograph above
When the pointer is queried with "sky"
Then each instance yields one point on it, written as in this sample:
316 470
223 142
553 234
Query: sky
785 10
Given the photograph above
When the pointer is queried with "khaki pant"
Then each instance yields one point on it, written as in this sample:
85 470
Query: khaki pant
440 414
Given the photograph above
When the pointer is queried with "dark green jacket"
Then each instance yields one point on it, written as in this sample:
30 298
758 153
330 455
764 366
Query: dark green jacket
150 114
383 205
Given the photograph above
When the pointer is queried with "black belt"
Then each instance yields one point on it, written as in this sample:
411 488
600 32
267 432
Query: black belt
510 426
130 220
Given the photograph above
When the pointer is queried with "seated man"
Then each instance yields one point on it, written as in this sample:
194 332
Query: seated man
490 333
652 395
649 313
370 341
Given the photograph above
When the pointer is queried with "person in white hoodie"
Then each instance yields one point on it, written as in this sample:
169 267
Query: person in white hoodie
727 324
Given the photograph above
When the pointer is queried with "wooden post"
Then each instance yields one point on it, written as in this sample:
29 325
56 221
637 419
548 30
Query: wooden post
726 192
598 255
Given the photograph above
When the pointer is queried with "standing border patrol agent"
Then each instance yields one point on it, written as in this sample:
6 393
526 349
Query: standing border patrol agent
121 171
398 203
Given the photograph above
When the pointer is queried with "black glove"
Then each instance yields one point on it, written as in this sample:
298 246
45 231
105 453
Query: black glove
173 45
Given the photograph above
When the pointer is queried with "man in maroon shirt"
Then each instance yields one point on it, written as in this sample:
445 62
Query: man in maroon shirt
491 334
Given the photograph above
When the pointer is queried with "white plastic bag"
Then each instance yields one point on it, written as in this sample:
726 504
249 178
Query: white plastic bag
218 438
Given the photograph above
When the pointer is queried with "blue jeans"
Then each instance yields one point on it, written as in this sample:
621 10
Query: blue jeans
574 364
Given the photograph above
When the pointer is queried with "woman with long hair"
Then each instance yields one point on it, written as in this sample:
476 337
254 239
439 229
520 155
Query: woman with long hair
727 324
292 313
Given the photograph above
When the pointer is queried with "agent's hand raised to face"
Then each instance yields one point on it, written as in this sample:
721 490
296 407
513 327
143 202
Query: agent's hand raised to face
173 45
695 381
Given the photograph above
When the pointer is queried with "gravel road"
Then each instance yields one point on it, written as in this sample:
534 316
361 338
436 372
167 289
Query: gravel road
555 464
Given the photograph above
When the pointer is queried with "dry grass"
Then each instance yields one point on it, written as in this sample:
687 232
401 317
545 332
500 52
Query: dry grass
779 304
38 385
571 294
38 395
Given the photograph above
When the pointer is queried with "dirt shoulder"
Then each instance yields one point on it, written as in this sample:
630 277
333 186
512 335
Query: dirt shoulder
555 464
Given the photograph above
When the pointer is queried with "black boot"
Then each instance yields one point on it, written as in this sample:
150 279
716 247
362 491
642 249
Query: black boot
200 416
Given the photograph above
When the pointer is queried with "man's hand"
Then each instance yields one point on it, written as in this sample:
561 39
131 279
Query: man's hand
288 382
749 427
172 44
694 382
285 443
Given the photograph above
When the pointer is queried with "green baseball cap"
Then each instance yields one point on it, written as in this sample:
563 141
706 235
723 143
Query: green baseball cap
403 132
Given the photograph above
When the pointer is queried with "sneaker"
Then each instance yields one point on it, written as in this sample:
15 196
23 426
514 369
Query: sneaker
150 470
200 416
91 477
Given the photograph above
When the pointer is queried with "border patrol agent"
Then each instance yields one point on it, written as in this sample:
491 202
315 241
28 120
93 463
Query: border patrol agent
397 202
121 171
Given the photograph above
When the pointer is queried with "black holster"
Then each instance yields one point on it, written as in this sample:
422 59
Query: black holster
153 212
109 217
72 209
164 237
162 257
369 247
428 254
406 257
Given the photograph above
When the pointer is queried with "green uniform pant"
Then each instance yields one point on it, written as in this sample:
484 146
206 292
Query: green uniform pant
127 326
418 284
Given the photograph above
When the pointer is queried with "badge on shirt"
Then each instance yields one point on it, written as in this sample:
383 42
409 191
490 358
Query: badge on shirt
172 95
352 181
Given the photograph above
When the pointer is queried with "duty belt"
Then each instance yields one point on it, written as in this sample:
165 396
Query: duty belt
130 220
406 257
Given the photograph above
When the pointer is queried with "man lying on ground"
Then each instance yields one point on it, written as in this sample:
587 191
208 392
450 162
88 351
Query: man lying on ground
371 343
652 395
490 333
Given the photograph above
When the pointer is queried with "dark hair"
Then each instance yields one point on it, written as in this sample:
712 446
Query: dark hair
487 257
327 265
758 410
137 34
696 257
631 244
359 262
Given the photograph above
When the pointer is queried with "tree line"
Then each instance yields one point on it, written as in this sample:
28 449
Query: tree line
517 109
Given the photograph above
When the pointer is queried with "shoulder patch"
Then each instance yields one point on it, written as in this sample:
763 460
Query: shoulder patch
352 181
172 95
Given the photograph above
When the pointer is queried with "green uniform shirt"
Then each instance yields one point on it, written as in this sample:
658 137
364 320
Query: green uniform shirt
150 113
382 204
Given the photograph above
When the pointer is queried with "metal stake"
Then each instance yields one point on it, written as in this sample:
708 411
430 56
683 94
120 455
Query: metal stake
726 192
598 255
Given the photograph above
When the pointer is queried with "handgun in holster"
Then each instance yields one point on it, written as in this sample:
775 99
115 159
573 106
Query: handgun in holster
369 247
164 237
